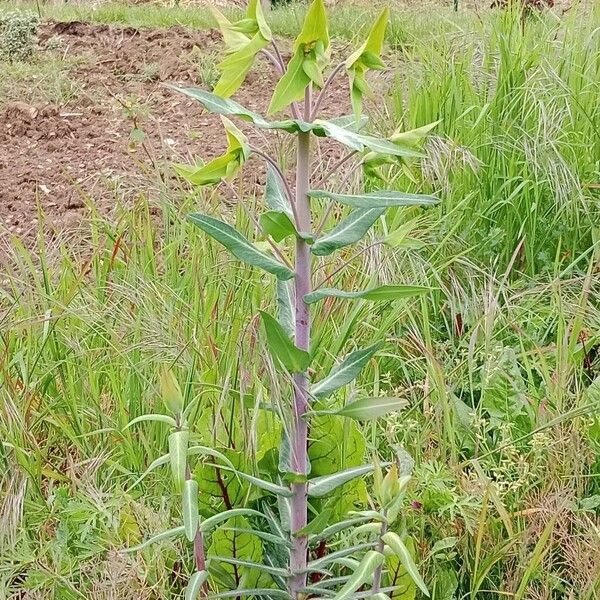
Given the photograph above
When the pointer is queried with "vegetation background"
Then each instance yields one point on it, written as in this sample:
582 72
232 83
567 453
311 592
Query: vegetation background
498 364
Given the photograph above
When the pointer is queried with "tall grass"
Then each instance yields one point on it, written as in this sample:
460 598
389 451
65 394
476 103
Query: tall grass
498 362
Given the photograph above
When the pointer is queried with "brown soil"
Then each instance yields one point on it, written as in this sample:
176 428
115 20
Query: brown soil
55 158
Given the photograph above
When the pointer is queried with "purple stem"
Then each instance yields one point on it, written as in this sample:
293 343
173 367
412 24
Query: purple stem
299 442
379 570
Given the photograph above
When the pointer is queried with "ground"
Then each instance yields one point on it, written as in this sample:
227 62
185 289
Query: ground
120 121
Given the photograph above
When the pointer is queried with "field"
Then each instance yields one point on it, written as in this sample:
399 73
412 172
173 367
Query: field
102 281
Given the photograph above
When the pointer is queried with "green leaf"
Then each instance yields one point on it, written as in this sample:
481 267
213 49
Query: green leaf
267 537
292 84
239 246
190 508
244 39
195 585
277 224
337 527
206 451
371 408
321 486
261 483
396 575
256 592
249 564
178 445
396 544
339 557
316 525
223 167
212 522
358 141
209 174
382 292
221 106
228 546
159 537
379 199
348 231
345 372
282 348
364 572
161 460
311 68
285 306
160 418
275 195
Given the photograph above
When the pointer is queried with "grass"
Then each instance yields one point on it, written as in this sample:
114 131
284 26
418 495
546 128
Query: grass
45 79
498 363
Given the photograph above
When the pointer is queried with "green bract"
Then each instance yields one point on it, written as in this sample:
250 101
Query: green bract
223 167
365 58
244 40
311 56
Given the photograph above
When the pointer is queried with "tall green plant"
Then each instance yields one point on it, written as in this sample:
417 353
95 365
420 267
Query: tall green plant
280 541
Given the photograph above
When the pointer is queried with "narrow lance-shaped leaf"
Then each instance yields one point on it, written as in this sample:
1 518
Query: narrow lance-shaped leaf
345 372
190 508
178 445
252 592
358 141
348 231
159 418
379 199
212 522
282 348
260 483
321 486
159 537
239 246
251 565
363 574
394 541
316 525
380 293
195 585
367 409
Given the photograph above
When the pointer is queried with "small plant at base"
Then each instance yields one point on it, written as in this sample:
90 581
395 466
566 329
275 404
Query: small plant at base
296 490
18 32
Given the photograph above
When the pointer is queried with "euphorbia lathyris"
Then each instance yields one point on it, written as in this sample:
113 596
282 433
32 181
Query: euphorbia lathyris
361 569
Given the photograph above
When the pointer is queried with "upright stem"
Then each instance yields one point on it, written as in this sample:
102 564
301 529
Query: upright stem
303 285
379 570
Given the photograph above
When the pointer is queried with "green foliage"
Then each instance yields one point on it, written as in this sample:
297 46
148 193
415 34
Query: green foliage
498 365
18 34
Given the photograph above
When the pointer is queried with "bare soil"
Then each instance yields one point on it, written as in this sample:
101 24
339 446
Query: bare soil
124 125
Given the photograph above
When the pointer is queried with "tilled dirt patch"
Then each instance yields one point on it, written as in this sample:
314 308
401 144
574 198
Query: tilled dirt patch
55 158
